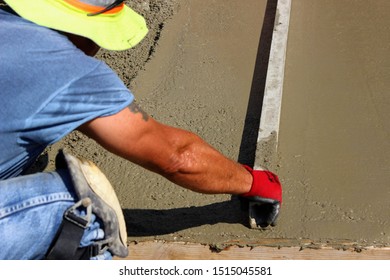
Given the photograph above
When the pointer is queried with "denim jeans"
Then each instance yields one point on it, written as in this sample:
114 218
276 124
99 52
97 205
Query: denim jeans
31 211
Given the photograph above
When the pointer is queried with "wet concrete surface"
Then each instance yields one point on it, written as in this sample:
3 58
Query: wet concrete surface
195 70
334 143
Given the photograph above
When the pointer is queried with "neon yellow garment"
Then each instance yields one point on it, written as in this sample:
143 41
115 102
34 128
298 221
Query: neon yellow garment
119 30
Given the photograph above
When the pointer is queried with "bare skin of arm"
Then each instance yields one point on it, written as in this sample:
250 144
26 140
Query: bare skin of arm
179 155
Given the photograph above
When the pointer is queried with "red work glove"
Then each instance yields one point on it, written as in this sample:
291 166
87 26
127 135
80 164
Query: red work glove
265 196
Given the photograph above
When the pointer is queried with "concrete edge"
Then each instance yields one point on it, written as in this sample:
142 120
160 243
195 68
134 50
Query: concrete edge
272 101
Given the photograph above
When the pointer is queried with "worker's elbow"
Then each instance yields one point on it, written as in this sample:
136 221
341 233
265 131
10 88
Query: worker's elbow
180 163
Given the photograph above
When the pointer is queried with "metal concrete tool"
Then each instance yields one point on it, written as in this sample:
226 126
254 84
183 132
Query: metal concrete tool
262 215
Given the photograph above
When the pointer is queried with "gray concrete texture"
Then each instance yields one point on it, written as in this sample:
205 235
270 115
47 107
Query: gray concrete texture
195 71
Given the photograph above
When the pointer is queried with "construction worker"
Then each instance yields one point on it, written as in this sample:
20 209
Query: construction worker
50 86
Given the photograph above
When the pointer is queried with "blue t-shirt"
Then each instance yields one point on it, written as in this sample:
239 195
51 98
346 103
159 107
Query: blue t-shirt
48 88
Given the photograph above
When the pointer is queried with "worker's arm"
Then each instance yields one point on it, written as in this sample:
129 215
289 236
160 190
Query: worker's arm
180 156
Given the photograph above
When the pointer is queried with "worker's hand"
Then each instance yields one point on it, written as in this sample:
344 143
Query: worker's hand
265 198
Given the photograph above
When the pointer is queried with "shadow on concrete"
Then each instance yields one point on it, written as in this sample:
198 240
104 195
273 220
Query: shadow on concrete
248 145
149 222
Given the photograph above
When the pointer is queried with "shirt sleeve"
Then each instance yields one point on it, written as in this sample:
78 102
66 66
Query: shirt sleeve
97 94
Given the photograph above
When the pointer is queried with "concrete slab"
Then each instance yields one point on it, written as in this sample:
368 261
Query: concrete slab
333 143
